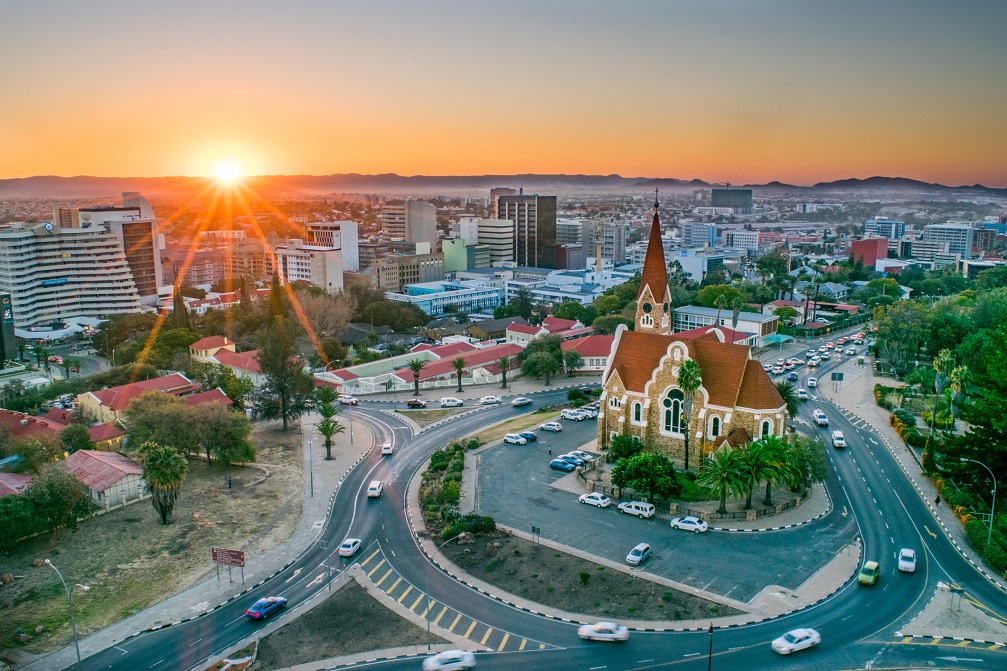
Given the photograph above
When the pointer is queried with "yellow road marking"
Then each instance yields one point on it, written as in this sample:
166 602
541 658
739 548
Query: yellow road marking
455 622
936 641
296 573
929 531
963 644
318 579
994 647
489 630
524 642
907 639
541 646
408 590
417 602
379 565
438 620
364 563
387 573
394 585
503 642
469 630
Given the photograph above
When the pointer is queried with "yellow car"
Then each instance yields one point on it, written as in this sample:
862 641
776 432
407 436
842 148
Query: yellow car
869 573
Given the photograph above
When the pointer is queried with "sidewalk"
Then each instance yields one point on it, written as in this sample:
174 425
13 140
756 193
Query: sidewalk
210 593
856 397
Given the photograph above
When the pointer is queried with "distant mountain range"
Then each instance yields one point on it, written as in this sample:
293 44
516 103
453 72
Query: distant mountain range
280 186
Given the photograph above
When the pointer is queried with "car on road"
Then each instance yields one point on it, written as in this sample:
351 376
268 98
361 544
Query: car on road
263 608
520 401
640 553
603 631
451 402
450 660
690 523
530 436
798 639
812 382
416 403
766 367
826 355
555 427
907 560
560 465
811 353
851 351
821 419
792 377
595 499
489 400
515 439
374 489
638 508
573 415
869 573
348 400
802 394
813 363
778 370
838 439
386 448
349 547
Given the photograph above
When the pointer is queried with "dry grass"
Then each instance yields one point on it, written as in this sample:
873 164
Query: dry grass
425 417
131 562
515 425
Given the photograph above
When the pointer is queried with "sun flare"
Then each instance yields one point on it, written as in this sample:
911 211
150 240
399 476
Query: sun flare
227 171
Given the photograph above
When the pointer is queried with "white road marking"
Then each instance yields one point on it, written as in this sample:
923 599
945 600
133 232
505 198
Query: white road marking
195 642
691 654
154 664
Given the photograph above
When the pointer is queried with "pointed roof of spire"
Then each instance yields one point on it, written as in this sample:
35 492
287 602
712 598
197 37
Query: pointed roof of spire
655 272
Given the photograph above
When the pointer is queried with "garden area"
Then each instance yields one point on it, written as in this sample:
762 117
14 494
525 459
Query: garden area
440 491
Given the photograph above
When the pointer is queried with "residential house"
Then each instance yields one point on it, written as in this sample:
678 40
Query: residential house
13 483
491 329
107 437
594 351
243 364
111 479
202 350
106 405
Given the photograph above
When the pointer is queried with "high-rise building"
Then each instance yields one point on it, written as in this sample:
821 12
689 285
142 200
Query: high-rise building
613 243
341 235
318 266
192 266
534 220
497 235
869 250
252 258
741 238
739 200
885 228
696 234
413 221
392 272
959 236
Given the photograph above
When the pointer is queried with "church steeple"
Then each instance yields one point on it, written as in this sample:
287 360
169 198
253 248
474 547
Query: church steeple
653 299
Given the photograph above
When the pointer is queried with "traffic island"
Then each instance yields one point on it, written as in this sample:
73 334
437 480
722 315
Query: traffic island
950 616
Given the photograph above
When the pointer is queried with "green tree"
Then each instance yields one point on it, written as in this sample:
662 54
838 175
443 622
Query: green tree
771 266
179 312
21 347
786 313
17 520
504 364
708 296
164 469
569 310
416 366
541 364
607 324
458 363
690 378
986 432
550 344
36 450
223 433
75 437
572 360
623 447
992 278
521 304
789 397
164 419
737 304
289 385
213 376
329 427
805 457
756 465
721 471
57 499
780 469
279 304
648 472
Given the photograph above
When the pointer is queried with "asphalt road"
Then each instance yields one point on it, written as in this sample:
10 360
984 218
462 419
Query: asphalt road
857 623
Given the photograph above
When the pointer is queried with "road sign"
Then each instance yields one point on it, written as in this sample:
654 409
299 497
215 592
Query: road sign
837 377
226 557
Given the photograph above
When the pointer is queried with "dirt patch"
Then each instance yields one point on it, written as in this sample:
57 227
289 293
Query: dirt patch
424 417
557 579
516 425
348 622
130 561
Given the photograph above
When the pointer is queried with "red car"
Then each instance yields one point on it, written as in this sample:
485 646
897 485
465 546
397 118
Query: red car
416 403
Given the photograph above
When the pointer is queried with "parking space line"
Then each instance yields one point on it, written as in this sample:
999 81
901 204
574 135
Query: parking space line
379 565
489 630
409 588
394 585
469 630
503 642
417 602
387 573
455 622
438 620
364 563
524 642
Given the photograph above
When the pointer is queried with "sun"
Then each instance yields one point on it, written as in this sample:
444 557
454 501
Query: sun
227 171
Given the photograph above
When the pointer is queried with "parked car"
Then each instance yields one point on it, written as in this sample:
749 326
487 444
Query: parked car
595 499
573 415
589 412
638 508
555 427
451 402
520 400
374 489
263 608
515 439
798 639
450 660
347 400
573 459
386 448
560 465
586 456
838 439
639 554
869 573
603 631
416 403
907 560
349 547
821 419
802 394
690 523
530 436
812 382
489 400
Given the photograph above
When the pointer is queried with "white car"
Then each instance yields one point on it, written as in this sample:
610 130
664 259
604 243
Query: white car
826 355
838 439
802 394
347 400
907 560
603 631
520 400
451 402
821 419
386 448
795 640
450 660
851 351
812 382
515 439
595 499
638 555
638 508
690 523
589 412
811 352
551 426
489 400
349 547
374 489
573 415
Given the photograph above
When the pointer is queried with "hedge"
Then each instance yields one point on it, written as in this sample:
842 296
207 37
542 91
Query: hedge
881 396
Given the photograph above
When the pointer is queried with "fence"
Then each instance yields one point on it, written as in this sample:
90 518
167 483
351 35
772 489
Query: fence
674 508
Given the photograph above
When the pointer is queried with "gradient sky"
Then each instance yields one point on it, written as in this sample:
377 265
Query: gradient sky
746 91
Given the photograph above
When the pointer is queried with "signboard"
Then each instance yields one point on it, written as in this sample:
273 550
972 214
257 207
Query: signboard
227 557
54 283
837 377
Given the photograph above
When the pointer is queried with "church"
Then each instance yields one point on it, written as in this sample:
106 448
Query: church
736 402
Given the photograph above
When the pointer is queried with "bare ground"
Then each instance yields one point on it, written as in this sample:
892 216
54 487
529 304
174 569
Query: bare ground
553 578
516 425
424 417
348 622
130 561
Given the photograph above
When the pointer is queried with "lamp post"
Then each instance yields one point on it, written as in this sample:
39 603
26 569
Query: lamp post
430 602
993 506
311 469
69 597
709 657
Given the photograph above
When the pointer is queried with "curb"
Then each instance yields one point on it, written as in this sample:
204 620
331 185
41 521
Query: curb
785 526
957 639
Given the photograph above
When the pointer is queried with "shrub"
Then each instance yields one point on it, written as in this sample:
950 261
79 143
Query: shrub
881 396
451 492
575 394
473 444
472 523
585 578
907 417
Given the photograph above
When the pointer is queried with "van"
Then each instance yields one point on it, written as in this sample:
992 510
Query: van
821 419
573 415
638 508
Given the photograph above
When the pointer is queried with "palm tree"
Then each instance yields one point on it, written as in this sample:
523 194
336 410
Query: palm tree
756 465
42 355
789 397
720 302
943 364
416 366
326 397
781 469
73 363
959 382
690 377
458 363
164 470
504 363
721 472
329 427
21 347
737 303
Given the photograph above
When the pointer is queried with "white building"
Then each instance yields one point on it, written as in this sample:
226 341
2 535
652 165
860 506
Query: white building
697 234
689 317
435 297
713 211
495 234
111 479
319 266
698 262
741 238
413 221
958 235
341 235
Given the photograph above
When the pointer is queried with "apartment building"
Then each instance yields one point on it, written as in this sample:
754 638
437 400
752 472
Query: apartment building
697 234
885 228
497 235
742 239
319 266
341 235
413 221
958 235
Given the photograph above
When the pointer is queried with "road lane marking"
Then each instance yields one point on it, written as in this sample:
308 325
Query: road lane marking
438 620
409 589
127 651
524 642
503 642
364 563
297 572
155 664
691 654
387 573
929 531
373 570
453 624
318 579
394 585
489 630
469 630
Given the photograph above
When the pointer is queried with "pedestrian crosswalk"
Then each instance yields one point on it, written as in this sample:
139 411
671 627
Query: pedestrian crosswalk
384 577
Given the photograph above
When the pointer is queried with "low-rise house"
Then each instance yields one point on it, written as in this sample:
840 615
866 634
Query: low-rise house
594 351
12 484
203 350
491 329
106 405
242 364
111 479
522 334
18 424
107 437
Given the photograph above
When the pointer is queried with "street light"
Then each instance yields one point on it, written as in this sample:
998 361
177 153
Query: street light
69 596
993 507
430 602
311 469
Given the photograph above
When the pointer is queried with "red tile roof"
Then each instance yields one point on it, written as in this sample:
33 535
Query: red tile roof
101 432
570 334
730 335
100 470
13 483
553 324
119 398
59 416
593 345
243 360
524 328
211 396
452 349
655 272
344 374
473 359
757 390
210 342
737 438
20 424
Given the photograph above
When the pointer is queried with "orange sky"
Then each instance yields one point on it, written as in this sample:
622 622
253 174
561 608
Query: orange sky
724 91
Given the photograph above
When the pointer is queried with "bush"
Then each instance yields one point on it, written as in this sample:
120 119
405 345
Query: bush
472 523
473 444
907 417
881 396
451 492
585 578
576 394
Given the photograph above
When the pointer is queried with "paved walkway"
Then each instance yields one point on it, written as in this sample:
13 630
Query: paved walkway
948 615
211 593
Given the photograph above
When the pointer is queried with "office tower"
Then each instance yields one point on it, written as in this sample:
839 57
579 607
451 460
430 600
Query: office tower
534 220
885 228
741 238
413 221
695 234
739 200
613 242
318 266
192 267
959 236
497 235
495 195
341 235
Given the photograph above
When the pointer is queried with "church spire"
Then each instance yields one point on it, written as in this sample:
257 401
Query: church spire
655 272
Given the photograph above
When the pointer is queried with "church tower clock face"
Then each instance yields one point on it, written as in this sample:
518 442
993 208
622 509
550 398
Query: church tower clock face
647 308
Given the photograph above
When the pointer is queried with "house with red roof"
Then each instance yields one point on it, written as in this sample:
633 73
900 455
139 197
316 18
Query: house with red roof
594 351
12 484
107 437
243 364
522 334
18 424
106 405
111 479
202 350
480 364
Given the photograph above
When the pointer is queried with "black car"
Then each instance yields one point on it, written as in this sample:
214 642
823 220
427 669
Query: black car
530 436
416 403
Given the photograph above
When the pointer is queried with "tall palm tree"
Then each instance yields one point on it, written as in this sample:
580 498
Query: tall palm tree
737 303
326 397
416 366
756 465
164 470
690 377
780 469
944 363
959 380
74 363
789 397
504 363
42 355
720 302
721 472
329 427
458 363
21 347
